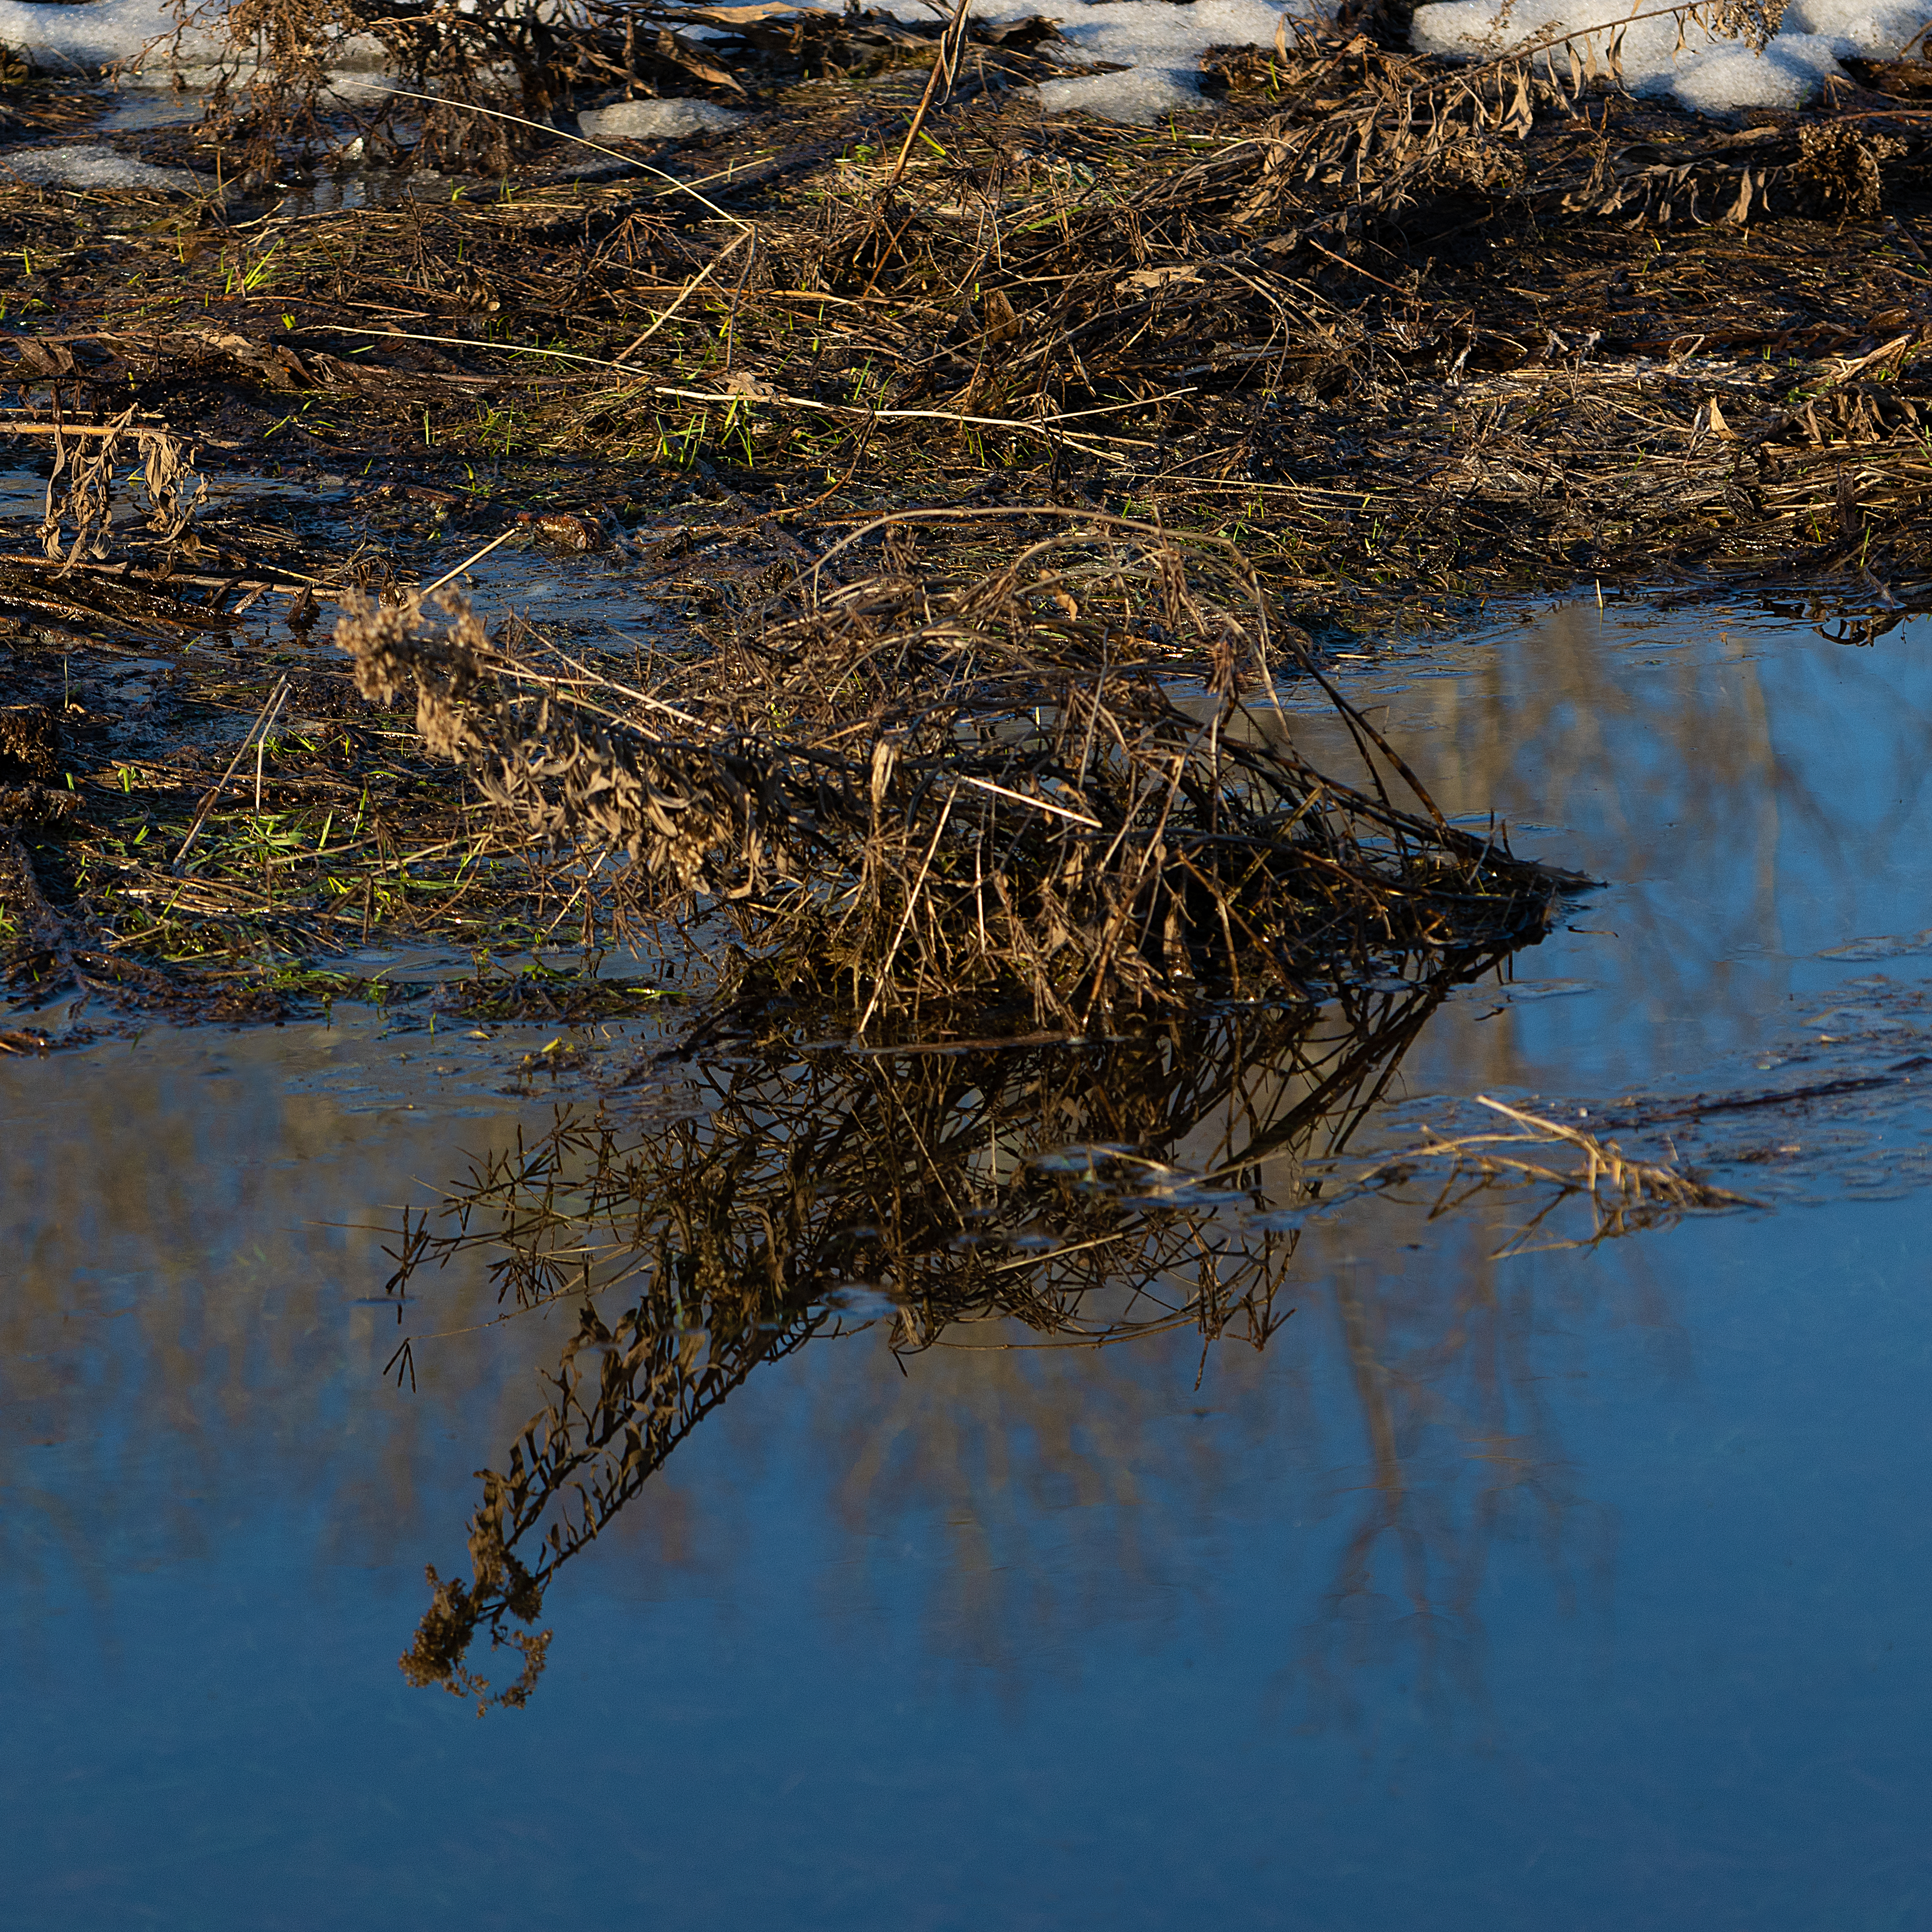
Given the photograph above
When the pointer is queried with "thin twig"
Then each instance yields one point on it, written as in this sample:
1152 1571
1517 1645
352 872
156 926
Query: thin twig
942 63
450 576
577 140
265 715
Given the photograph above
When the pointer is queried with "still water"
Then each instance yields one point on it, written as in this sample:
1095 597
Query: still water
1581 1589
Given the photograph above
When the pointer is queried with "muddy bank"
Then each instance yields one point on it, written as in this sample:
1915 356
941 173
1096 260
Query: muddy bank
1401 337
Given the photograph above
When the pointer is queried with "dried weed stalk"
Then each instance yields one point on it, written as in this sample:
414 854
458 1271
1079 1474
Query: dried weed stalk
1624 1195
1064 780
80 486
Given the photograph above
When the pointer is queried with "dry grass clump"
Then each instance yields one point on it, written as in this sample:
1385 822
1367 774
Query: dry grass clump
1405 334
1333 325
1063 779
1407 330
80 484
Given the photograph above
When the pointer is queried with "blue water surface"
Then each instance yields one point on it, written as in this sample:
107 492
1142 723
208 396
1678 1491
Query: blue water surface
1583 1589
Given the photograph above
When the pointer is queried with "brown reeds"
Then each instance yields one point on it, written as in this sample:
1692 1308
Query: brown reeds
1404 334
1065 780
1407 330
1623 1195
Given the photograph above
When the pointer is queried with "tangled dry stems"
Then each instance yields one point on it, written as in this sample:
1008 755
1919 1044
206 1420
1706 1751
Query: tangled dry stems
1623 1195
1409 324
1067 780
477 88
1269 326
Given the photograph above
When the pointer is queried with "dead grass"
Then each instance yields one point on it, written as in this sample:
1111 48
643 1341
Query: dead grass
1560 1164
1063 781
1402 336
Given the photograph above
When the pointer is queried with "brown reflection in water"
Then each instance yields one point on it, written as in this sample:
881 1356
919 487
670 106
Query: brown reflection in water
1448 1350
181 1349
1039 1195
1410 1432
1707 781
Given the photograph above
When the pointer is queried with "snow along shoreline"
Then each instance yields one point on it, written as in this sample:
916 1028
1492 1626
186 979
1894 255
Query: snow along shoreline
1158 44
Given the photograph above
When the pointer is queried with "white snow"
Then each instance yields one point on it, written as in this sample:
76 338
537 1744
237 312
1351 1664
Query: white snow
1879 31
654 120
87 166
1711 75
92 36
1159 43
1140 97
1786 74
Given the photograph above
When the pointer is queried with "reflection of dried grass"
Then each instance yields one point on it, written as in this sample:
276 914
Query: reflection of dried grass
934 1185
943 1186
1624 1195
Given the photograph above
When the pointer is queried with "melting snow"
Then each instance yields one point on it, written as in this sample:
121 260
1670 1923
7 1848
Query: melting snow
1158 44
1705 73
89 37
96 167
654 120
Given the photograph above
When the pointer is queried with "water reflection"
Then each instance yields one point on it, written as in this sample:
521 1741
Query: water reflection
190 1249
1756 795
1081 1194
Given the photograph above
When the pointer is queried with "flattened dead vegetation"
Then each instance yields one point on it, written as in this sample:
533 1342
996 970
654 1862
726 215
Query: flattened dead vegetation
893 369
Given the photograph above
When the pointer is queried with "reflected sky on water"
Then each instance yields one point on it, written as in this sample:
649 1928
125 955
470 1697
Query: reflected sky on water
1581 1589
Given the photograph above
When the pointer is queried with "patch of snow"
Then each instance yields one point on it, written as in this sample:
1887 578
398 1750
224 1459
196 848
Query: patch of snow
89 37
92 166
1867 29
1152 33
1140 97
1159 43
654 120
1703 71
1786 74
